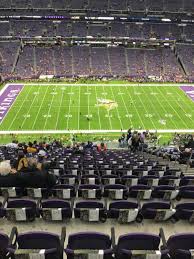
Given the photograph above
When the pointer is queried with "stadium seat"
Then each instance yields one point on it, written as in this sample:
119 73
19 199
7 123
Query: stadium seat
123 211
55 210
21 210
64 191
90 211
137 244
158 211
89 191
140 191
84 243
40 243
115 191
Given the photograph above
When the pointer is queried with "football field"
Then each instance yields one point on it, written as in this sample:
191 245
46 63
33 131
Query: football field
96 107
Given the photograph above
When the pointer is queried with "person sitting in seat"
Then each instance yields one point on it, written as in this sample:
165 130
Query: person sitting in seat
101 147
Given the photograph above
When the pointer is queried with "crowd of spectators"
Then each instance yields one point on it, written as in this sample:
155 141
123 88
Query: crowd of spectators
96 5
133 64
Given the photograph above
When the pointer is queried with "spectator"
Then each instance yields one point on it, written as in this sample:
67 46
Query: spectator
101 147
31 148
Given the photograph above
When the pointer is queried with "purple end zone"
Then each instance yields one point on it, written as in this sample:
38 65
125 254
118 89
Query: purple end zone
189 90
7 98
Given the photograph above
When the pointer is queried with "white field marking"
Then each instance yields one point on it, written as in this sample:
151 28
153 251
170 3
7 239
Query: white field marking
18 110
71 93
31 104
174 110
26 115
104 93
153 93
145 109
63 88
93 84
119 116
78 117
125 107
169 93
129 115
98 109
185 103
58 114
53 93
88 108
137 93
153 107
69 109
163 122
148 115
168 115
87 93
36 93
40 107
129 94
88 115
162 108
50 107
4 132
47 115
188 115
2 91
68 116
108 114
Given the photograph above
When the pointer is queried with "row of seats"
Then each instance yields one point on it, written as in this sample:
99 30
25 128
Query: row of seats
121 170
95 211
110 191
96 245
128 180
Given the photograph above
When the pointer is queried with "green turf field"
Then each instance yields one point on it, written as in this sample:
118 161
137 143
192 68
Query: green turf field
99 107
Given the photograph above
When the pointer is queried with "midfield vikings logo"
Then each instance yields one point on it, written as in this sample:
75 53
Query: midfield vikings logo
107 104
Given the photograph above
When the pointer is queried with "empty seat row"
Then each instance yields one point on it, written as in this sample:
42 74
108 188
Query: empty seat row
128 180
95 211
48 245
110 191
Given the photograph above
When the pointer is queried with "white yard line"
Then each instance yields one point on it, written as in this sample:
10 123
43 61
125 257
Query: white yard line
185 104
69 108
60 106
31 105
119 117
108 113
50 106
88 108
98 109
135 107
173 108
144 107
87 131
123 84
78 120
128 112
40 107
92 131
18 111
158 100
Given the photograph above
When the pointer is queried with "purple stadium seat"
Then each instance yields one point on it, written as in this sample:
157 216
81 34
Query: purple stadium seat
84 242
55 210
90 211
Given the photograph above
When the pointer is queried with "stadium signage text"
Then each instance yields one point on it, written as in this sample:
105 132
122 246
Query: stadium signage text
7 98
